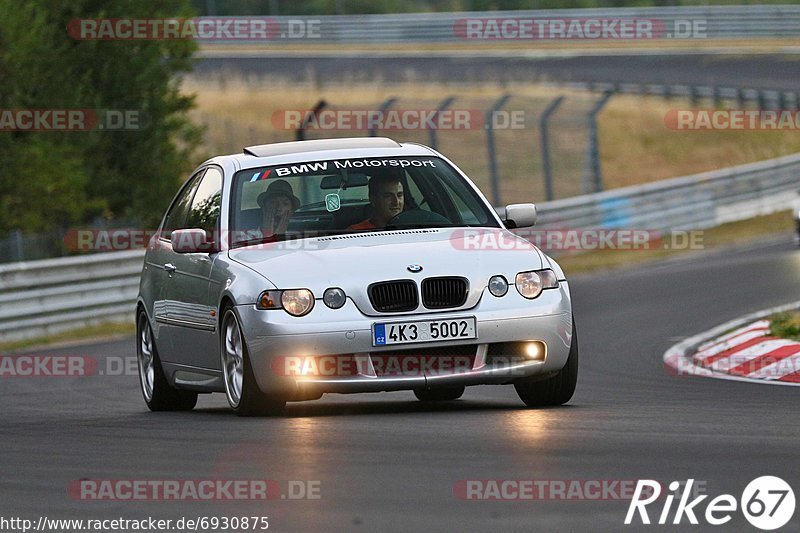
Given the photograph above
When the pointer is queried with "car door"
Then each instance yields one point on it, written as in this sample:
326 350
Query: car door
160 262
191 310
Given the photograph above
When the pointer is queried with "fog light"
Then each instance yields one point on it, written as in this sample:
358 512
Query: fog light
498 285
535 350
334 298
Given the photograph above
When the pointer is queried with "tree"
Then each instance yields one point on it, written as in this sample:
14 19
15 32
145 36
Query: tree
57 178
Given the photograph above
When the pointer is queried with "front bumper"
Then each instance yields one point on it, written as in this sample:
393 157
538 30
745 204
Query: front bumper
274 334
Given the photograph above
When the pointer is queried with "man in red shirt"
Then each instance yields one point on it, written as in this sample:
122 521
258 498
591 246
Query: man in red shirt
386 199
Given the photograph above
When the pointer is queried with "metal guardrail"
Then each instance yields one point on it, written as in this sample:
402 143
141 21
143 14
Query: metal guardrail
692 202
39 298
719 22
44 297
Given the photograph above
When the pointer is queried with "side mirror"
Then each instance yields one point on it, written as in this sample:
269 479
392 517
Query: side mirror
517 215
191 241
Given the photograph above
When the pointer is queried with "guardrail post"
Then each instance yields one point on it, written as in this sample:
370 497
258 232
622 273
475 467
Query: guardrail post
762 100
694 96
488 123
444 104
300 133
384 107
593 154
18 250
551 108
717 96
783 102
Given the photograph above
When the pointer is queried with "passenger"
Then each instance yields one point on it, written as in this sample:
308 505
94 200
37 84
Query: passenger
278 203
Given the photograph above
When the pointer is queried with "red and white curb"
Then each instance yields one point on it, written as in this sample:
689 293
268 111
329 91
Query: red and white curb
739 350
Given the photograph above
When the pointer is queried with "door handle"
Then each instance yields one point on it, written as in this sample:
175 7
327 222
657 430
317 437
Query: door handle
169 267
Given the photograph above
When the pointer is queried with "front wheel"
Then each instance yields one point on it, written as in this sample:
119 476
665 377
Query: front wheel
158 394
439 395
555 390
244 395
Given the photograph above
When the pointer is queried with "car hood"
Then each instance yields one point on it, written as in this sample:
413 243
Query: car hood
352 262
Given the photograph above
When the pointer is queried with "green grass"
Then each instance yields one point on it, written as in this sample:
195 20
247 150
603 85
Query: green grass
785 325
732 233
111 329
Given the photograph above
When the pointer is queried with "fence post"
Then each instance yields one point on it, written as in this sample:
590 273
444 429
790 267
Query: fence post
300 133
593 155
444 104
389 102
551 108
488 123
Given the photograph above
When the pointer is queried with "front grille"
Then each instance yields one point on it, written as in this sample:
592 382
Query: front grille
393 296
443 293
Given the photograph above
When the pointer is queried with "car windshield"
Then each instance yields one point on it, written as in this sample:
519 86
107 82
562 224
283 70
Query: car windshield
351 195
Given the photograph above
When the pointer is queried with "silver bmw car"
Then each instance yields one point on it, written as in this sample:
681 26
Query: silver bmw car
343 266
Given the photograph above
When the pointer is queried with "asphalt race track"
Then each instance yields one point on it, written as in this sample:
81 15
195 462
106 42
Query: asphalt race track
751 71
389 463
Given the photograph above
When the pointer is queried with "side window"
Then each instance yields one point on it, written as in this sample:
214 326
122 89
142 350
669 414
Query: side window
414 196
176 215
207 202
467 214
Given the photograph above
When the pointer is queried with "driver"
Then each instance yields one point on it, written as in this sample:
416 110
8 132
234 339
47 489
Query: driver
387 200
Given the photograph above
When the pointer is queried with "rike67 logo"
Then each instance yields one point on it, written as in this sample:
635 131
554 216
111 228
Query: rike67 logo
767 503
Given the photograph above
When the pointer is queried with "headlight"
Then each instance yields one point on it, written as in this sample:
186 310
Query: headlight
297 302
334 298
531 284
498 286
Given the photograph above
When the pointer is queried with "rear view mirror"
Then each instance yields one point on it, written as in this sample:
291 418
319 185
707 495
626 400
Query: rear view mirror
334 182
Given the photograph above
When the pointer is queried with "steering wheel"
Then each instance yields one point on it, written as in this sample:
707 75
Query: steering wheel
416 217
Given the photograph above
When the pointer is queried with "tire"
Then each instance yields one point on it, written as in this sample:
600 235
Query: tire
158 394
241 389
439 395
555 390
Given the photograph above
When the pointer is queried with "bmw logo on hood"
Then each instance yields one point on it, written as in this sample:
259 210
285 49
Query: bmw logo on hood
414 268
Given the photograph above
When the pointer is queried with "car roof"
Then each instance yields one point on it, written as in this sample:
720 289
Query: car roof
322 149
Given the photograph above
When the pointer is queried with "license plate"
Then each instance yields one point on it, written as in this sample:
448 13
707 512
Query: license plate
387 333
